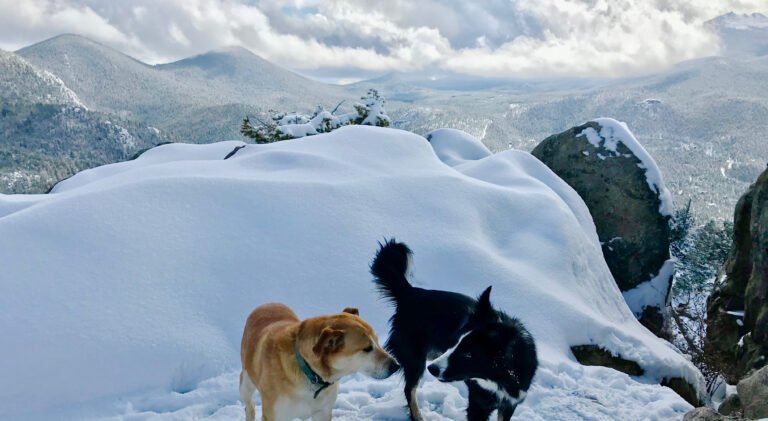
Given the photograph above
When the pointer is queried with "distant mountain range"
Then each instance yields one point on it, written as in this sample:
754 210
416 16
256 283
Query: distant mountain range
69 103
198 99
46 133
742 34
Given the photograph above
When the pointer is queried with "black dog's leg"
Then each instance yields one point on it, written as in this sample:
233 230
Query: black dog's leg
413 363
506 411
481 402
412 374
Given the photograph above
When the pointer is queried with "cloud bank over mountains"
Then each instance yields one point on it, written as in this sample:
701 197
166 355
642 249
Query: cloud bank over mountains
355 38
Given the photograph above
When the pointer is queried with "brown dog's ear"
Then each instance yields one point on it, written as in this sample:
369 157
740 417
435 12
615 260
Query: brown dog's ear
330 340
351 310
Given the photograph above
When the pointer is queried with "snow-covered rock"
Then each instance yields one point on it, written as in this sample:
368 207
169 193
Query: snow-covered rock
625 192
124 293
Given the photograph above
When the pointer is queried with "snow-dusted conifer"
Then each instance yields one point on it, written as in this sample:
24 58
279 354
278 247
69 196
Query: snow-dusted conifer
294 125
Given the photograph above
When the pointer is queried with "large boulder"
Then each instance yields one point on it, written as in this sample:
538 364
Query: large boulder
753 394
737 311
703 414
731 405
624 191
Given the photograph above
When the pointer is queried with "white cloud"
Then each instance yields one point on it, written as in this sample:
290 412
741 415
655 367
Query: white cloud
485 37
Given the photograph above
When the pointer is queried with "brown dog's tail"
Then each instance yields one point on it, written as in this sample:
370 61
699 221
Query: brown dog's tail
390 269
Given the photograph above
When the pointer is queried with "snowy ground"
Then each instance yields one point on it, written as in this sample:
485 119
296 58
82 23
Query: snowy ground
568 393
124 293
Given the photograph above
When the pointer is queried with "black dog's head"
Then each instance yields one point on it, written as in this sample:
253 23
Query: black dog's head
496 351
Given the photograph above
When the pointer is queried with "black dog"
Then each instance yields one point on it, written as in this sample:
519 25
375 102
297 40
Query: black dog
490 351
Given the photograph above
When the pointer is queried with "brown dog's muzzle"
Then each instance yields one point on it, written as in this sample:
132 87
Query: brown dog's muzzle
387 364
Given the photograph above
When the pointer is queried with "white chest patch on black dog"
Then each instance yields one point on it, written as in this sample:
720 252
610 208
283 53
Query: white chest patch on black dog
499 392
442 361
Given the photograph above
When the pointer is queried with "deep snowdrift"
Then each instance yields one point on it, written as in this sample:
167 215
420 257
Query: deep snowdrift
131 283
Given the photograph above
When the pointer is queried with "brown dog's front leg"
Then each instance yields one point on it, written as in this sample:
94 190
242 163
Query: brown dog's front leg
267 408
324 415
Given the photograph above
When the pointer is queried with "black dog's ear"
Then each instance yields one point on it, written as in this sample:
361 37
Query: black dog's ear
483 309
485 296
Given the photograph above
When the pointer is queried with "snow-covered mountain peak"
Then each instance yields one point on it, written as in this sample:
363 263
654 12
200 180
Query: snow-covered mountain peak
742 35
226 61
75 46
108 80
741 21
237 50
21 81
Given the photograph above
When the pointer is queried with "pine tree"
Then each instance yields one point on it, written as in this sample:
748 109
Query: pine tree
679 229
700 253
258 135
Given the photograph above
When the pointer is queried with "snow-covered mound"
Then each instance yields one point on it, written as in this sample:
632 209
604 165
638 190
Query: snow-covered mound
453 146
125 292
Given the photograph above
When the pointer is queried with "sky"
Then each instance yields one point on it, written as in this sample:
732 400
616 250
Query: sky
346 40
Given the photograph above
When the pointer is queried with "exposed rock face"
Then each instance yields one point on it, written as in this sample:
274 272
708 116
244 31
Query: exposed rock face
684 389
594 355
737 312
731 405
622 188
753 394
703 414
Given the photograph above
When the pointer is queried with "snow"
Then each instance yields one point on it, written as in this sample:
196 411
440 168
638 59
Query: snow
572 393
376 113
298 130
613 132
54 80
455 146
125 292
296 125
166 154
20 79
652 293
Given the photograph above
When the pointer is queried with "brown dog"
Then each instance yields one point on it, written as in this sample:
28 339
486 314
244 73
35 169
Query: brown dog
296 365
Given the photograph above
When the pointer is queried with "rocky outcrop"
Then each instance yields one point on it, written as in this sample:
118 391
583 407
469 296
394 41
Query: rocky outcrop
737 311
753 394
703 414
684 389
623 190
594 355
731 405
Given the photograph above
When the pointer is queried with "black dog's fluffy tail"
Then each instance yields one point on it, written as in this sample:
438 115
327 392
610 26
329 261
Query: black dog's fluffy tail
390 268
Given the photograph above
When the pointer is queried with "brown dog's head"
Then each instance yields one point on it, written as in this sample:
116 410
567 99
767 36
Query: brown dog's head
344 343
